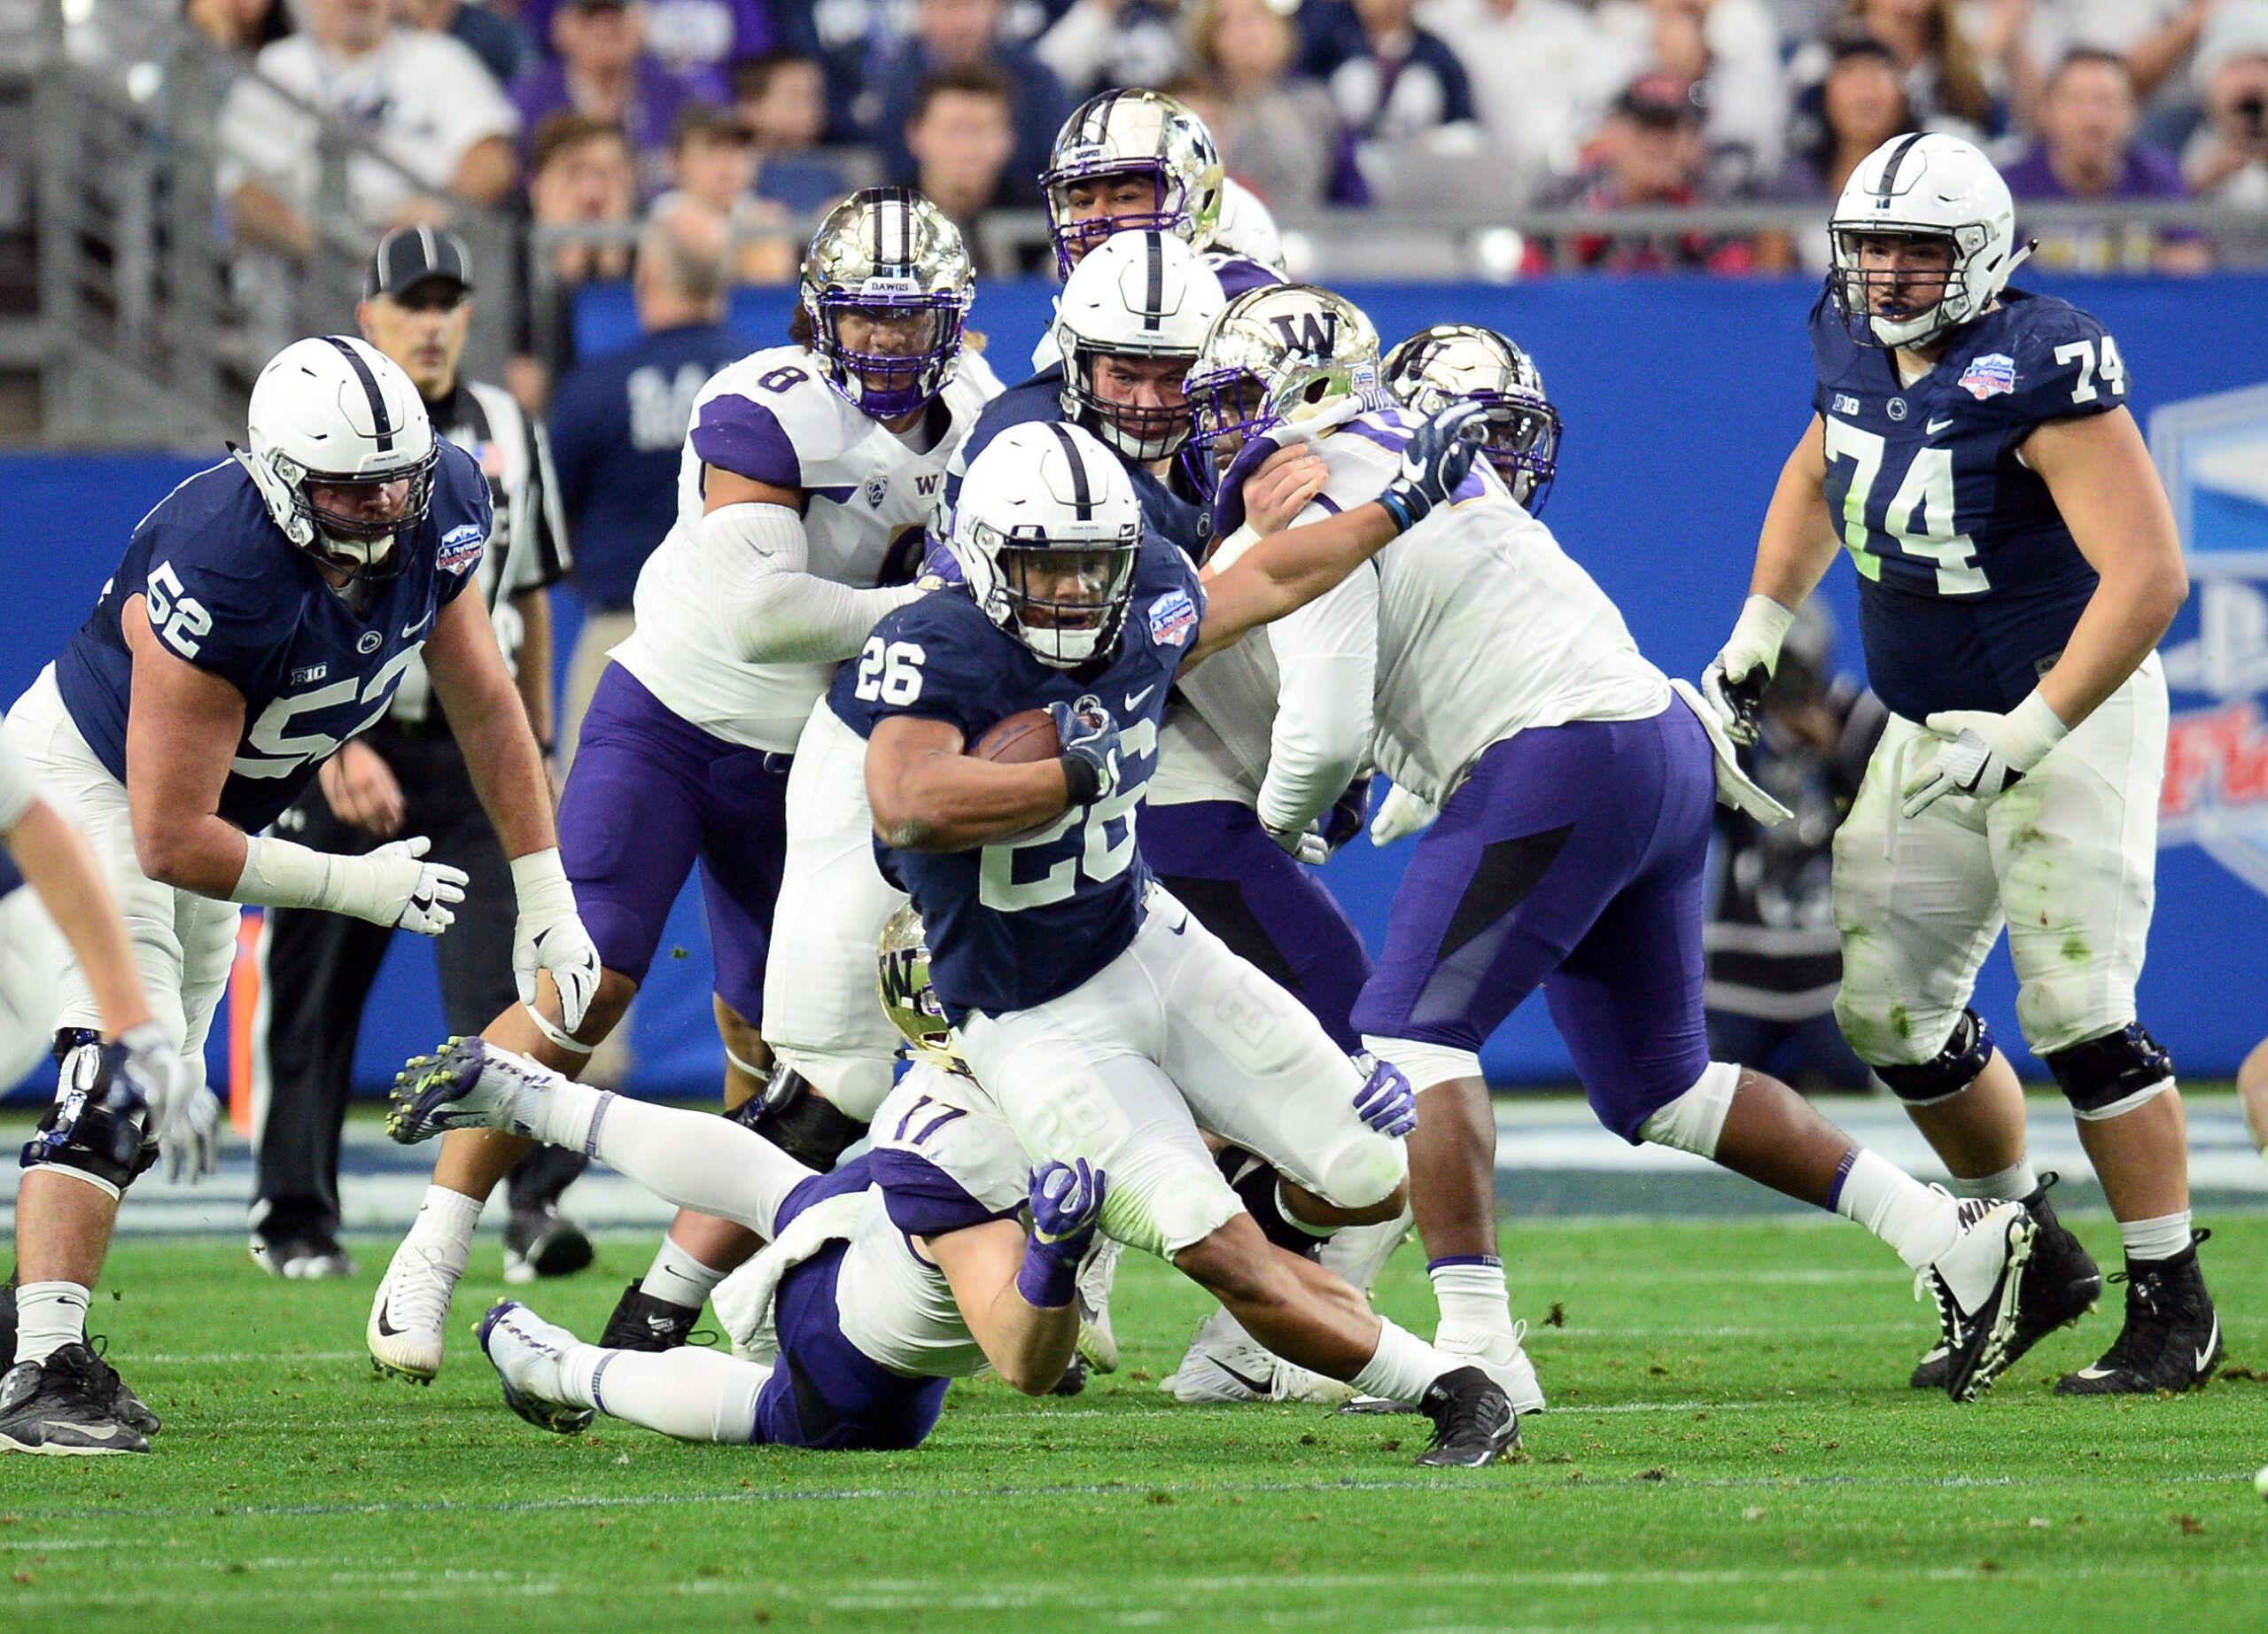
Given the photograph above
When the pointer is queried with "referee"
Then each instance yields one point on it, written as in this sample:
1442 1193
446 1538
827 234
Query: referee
405 775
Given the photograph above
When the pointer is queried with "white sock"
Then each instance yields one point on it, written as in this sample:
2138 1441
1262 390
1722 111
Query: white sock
2012 1183
1403 1366
2162 1238
445 1220
696 1159
691 1393
49 1316
1917 1221
1360 1252
1471 1292
678 1277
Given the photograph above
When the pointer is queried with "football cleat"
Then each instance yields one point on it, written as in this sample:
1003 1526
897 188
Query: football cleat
1097 1342
526 1353
1474 1421
1502 1356
127 1408
308 1257
2061 1284
541 1241
63 1405
1978 1287
405 1333
2172 1339
463 1084
643 1322
1225 1363
1074 1377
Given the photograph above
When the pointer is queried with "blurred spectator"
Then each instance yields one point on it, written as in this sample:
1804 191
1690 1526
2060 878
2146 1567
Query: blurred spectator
1278 134
618 428
582 174
1098 43
502 46
1730 50
713 164
240 27
2154 36
697 40
961 139
2087 150
2227 160
1949 75
421 102
965 33
604 72
1534 66
1391 80
780 98
1650 156
1864 105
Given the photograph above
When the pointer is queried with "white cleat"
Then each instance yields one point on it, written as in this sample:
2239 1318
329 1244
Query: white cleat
405 1333
526 1353
1977 1285
1097 1341
1225 1363
1500 1356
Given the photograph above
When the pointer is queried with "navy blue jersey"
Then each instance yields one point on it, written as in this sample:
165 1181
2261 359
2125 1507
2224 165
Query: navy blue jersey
223 588
1040 402
1969 581
1014 925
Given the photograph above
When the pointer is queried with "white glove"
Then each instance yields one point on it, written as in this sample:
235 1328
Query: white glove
190 1140
1400 814
181 1112
1733 685
550 937
1304 843
1985 753
391 886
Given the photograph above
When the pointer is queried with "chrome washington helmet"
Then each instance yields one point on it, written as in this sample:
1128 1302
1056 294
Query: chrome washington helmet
1261 340
1145 298
1146 140
887 285
1928 186
1463 362
908 1000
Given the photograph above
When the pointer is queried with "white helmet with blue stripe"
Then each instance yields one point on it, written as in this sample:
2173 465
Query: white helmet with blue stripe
1922 186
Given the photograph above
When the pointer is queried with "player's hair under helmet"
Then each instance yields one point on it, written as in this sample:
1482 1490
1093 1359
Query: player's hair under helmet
336 413
1136 295
1143 134
1263 340
887 258
1046 529
908 1000
1925 186
1463 362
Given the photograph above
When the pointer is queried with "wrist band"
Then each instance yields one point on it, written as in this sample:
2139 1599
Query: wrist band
1045 1283
1083 777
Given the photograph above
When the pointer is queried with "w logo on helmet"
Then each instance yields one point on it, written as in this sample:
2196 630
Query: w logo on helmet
1314 333
903 978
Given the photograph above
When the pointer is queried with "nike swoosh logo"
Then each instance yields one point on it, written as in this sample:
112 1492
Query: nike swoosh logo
2092 1372
1258 1387
409 631
1134 699
387 1329
2212 1344
1935 426
107 1432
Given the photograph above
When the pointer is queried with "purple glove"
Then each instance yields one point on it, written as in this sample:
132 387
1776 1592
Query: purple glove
1385 1101
941 569
1066 1207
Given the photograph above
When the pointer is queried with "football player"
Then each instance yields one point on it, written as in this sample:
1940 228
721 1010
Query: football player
808 474
1576 795
2018 563
264 613
1106 1021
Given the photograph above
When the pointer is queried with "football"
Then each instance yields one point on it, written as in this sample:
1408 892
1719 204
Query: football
1021 739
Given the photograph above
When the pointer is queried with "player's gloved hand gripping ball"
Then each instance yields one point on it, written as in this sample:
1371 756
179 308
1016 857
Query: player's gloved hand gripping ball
1066 1207
1090 739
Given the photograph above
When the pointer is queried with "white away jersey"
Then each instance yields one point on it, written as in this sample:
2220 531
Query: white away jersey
944 1159
1486 626
869 494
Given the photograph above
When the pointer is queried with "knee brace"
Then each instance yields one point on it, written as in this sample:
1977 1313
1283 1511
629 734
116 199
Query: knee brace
2110 1076
1952 1069
95 1128
799 1121
1696 1120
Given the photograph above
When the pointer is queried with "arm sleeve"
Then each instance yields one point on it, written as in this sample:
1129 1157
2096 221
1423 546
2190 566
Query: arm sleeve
18 788
768 607
1326 663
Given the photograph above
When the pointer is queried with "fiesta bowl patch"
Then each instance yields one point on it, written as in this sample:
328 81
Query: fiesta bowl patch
1172 616
461 549
1990 376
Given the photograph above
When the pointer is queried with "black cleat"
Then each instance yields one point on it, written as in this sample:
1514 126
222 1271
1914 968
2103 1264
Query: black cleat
1073 1378
2060 1285
127 1408
541 1241
2171 1340
641 1322
1977 1285
1474 1421
63 1405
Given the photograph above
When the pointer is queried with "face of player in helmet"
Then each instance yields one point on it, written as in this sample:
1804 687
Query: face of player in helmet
1904 275
1112 198
871 338
1064 589
355 522
1220 417
1144 398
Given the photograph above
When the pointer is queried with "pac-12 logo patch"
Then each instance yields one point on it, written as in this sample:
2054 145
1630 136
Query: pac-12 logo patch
1990 376
1172 616
461 548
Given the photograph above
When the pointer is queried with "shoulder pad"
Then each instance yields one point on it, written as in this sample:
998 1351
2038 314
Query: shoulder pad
771 418
2050 362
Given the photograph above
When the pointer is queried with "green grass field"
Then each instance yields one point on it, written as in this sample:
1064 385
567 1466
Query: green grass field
1730 1446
